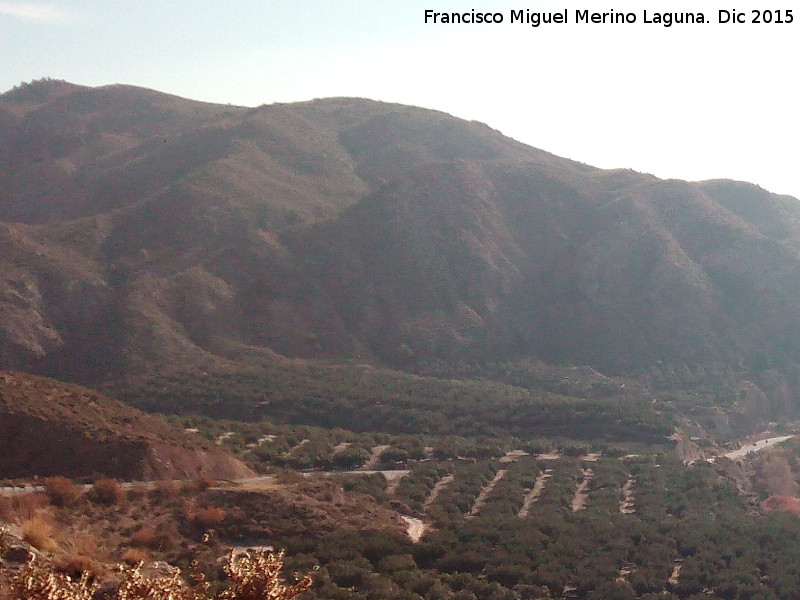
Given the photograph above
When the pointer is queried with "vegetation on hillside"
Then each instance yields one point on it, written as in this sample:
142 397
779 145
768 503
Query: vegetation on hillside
349 229
689 534
365 399
49 427
345 285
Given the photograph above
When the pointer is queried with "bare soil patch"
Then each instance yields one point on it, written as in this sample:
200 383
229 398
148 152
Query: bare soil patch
484 494
581 493
437 489
533 495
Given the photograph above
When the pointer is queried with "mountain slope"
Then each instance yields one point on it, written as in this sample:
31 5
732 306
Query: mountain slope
148 233
52 428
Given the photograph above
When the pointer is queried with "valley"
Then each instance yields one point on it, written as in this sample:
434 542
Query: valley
427 361
487 505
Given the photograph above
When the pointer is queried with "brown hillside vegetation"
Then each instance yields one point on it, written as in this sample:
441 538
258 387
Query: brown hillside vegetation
142 232
52 428
186 526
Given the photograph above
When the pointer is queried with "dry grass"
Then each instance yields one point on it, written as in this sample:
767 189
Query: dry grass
38 531
20 508
6 509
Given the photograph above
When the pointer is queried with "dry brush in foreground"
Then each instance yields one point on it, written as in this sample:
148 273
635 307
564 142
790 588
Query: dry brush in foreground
253 576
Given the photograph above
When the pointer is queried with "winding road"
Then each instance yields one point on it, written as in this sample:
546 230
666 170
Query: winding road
756 446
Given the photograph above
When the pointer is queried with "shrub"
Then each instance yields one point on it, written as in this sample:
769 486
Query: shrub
38 532
147 537
163 489
107 491
61 491
209 516
137 491
576 449
288 477
396 562
76 565
350 458
134 556
21 507
200 484
349 573
257 575
6 509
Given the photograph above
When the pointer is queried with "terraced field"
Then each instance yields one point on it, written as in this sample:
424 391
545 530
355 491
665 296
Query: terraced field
637 532
523 525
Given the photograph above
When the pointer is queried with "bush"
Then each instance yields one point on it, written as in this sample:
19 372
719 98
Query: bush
163 489
107 491
350 458
396 562
36 583
38 532
6 509
349 573
21 507
75 565
61 491
288 477
162 538
209 516
576 449
134 556
202 483
146 537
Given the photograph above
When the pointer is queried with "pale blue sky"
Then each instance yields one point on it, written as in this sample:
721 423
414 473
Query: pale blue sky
693 102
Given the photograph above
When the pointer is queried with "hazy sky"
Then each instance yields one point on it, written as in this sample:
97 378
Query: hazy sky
688 101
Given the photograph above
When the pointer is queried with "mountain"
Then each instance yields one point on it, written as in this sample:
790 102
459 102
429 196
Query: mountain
145 233
48 427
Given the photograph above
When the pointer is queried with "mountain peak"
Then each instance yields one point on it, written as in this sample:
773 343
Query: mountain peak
39 91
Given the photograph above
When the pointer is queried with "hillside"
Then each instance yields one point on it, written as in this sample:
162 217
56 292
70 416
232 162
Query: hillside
51 428
143 233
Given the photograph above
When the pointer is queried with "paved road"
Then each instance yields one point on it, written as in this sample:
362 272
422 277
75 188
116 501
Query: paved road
21 490
757 446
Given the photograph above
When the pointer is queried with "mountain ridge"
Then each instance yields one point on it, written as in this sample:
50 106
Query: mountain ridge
146 232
